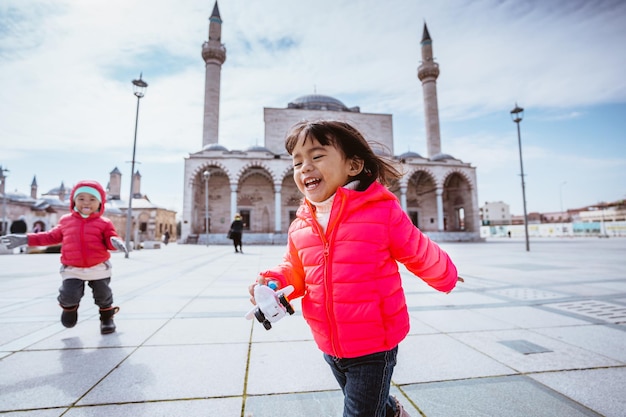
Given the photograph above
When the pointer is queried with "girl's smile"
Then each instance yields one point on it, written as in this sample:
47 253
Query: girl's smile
319 170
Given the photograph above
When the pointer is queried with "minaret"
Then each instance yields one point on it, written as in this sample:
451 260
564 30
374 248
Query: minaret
428 72
33 188
115 184
214 55
137 185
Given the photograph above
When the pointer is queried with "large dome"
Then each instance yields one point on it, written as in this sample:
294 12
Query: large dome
317 102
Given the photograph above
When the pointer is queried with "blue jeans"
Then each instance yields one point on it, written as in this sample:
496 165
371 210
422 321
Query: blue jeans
73 289
365 382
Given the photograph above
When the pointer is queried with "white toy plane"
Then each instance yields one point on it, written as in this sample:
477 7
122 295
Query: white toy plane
271 305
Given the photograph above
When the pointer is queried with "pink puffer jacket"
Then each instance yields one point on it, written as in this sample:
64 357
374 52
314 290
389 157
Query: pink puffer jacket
352 291
85 242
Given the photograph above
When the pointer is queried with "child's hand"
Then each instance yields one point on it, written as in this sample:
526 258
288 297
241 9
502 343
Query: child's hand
259 281
458 279
119 245
13 241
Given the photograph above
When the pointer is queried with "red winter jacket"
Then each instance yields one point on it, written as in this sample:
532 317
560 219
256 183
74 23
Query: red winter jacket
352 291
86 242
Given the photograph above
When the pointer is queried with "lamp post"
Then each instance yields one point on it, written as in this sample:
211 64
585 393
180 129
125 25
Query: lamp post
206 174
517 114
139 89
4 200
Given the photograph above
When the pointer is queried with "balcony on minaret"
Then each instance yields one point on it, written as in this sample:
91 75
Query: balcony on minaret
428 70
213 52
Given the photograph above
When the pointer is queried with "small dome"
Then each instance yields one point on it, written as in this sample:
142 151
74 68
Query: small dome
441 157
409 154
317 102
215 147
257 148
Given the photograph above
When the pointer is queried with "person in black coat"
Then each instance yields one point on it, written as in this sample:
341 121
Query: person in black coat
236 231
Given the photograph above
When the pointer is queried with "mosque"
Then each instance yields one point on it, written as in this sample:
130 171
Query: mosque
438 191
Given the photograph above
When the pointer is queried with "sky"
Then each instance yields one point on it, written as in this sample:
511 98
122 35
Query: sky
67 109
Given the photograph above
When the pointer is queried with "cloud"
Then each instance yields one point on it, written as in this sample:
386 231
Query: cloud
66 68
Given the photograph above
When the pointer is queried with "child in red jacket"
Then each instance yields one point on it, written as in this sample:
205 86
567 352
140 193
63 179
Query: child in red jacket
343 249
86 237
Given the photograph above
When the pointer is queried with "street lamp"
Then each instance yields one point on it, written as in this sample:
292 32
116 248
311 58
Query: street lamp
206 175
517 114
139 89
561 194
4 200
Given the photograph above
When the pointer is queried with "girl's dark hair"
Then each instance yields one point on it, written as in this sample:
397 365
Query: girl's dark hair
351 142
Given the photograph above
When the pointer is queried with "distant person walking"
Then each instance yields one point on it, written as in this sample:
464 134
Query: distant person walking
86 237
236 231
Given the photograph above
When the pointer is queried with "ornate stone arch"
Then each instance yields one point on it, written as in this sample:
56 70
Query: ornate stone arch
458 204
208 164
460 172
421 197
414 169
287 171
218 197
255 196
247 167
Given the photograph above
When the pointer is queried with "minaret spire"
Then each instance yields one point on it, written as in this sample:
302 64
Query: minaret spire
214 55
428 72
33 187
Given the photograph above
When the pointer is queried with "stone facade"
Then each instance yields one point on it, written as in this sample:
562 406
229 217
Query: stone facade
438 192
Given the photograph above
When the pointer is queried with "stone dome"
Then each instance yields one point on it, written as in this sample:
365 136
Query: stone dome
441 157
409 154
317 102
215 147
257 148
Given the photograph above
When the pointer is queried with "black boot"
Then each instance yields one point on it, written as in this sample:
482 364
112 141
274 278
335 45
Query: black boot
107 325
69 317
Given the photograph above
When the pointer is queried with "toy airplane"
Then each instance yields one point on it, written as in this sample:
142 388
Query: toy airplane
271 305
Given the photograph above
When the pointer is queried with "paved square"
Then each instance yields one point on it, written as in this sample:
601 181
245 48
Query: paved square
539 333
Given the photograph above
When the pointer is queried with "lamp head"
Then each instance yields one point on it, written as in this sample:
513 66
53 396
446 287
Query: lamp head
517 114
139 87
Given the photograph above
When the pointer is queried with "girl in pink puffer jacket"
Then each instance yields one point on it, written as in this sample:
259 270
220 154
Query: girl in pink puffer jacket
342 256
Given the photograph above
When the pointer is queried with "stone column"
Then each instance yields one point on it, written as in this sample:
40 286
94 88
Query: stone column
439 193
277 208
403 189
233 200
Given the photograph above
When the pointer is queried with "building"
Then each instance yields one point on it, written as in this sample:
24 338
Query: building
42 213
495 213
438 191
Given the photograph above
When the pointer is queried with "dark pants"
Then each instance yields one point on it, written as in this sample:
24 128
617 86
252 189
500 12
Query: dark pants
236 239
365 382
73 289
